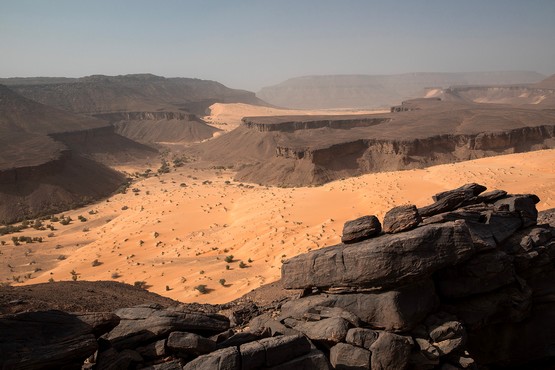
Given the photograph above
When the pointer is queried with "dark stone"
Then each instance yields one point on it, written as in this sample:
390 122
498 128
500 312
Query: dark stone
385 261
266 322
332 330
472 189
508 304
243 337
222 359
460 214
401 218
503 224
390 351
143 324
314 360
347 357
318 313
45 339
491 196
361 228
480 274
525 205
361 337
273 351
450 202
527 239
153 351
114 360
448 337
101 322
190 344
396 310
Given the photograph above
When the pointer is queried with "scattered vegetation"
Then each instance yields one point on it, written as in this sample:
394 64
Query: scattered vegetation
242 265
201 289
222 282
96 263
229 258
139 284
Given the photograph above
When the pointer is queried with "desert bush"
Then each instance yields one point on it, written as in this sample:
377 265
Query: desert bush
222 282
229 258
140 284
242 265
115 275
201 289
96 263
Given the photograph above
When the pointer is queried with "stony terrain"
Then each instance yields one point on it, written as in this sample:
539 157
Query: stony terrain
462 283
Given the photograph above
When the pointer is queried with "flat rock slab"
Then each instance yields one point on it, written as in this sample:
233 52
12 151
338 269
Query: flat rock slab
396 310
345 356
222 359
45 339
140 325
383 262
273 351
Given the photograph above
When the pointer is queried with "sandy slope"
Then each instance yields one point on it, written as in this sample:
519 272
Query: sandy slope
188 230
228 116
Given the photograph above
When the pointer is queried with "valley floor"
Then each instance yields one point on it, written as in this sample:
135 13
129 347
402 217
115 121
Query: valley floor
175 231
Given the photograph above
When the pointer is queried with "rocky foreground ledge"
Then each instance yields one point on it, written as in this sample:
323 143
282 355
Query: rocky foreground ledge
467 282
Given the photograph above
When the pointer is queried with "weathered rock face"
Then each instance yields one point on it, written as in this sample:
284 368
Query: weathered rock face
492 269
381 262
360 229
401 218
48 339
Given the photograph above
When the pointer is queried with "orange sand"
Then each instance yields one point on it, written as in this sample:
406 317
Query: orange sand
198 225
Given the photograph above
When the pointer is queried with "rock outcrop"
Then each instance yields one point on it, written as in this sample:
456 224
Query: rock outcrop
470 286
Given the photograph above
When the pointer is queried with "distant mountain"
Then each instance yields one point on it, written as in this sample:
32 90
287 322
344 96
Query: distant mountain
136 93
373 91
548 83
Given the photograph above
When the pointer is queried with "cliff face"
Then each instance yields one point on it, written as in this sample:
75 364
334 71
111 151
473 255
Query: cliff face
155 127
291 126
356 157
54 186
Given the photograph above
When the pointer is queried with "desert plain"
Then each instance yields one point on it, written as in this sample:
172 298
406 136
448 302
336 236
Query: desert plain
195 226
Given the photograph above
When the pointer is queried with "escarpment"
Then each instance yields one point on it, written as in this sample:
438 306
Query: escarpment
466 282
50 159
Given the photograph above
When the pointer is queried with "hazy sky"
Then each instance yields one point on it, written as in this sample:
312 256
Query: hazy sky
250 44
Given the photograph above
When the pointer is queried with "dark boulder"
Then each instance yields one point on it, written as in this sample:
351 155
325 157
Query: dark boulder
525 205
332 330
45 340
401 218
395 310
273 351
390 351
347 357
142 324
361 337
361 228
472 189
189 344
222 359
383 262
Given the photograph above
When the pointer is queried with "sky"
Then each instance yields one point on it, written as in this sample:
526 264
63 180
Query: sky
249 44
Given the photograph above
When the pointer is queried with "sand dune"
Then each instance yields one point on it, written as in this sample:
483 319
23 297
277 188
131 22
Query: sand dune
175 231
228 116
